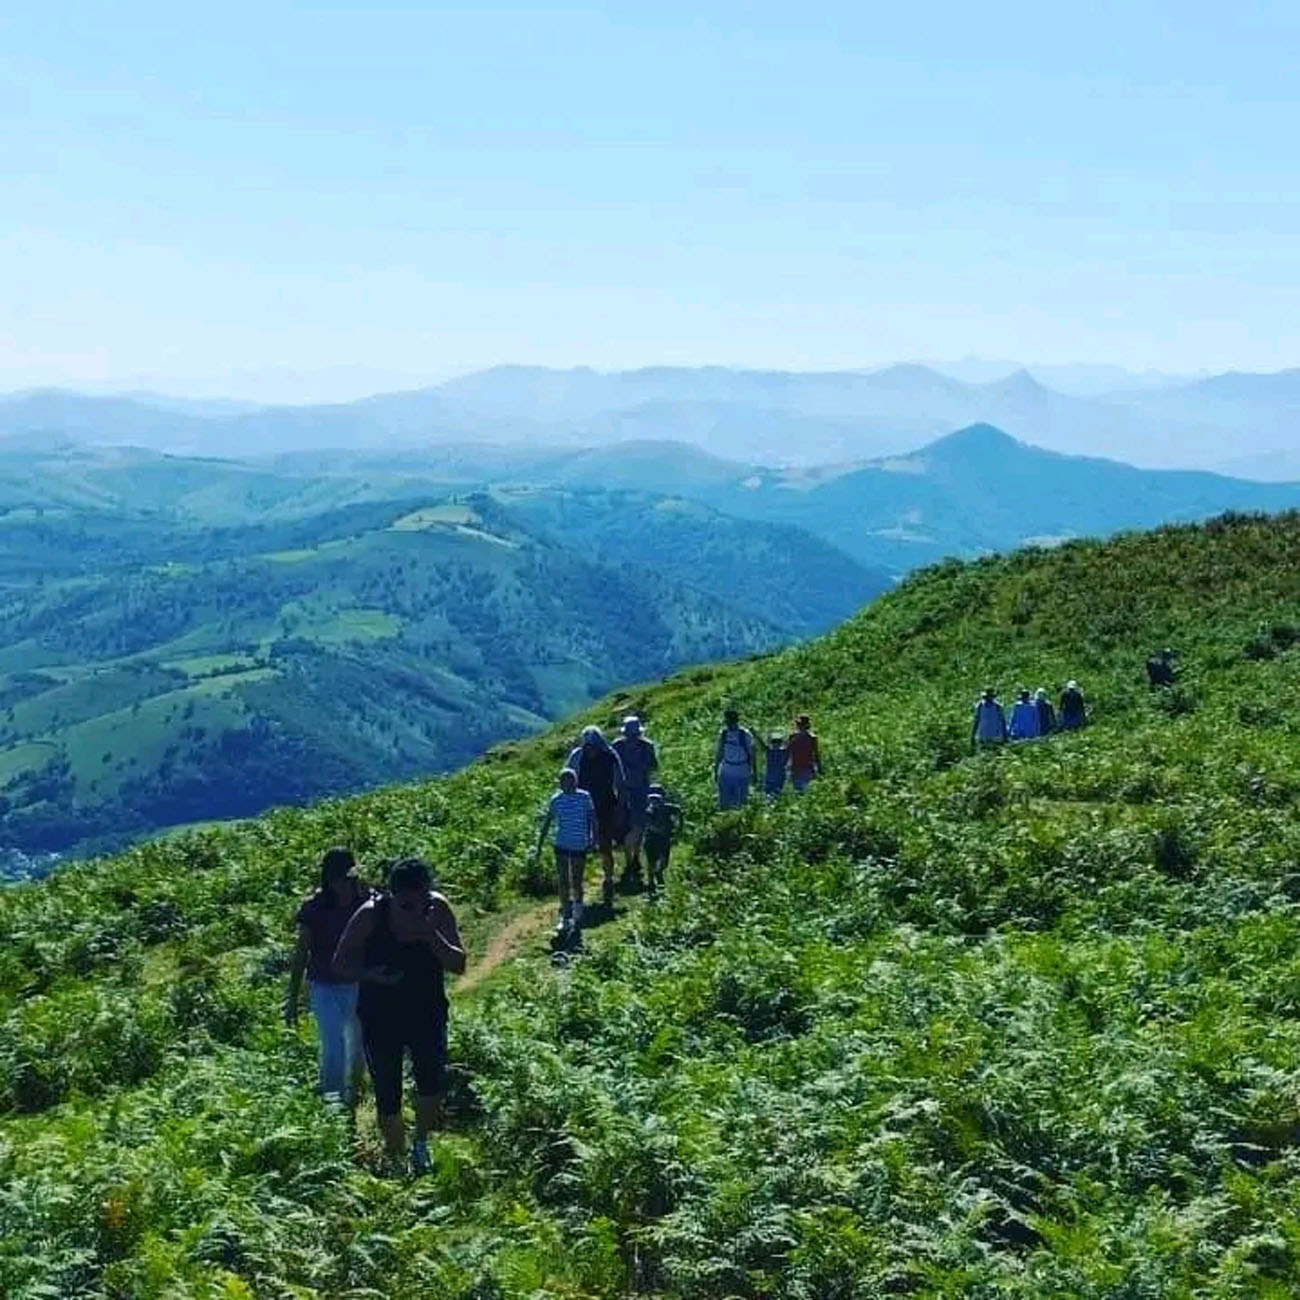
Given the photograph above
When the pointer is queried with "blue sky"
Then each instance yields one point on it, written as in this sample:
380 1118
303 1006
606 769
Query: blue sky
293 201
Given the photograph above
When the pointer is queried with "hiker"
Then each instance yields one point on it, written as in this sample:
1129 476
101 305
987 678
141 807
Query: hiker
398 946
600 774
1160 670
640 763
735 761
1074 713
573 815
777 755
805 753
1024 718
990 725
1046 713
663 821
321 921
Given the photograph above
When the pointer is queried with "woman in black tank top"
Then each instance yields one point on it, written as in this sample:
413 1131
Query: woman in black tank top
398 947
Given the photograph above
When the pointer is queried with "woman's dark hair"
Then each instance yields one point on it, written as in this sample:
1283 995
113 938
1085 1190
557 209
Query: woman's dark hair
409 873
337 862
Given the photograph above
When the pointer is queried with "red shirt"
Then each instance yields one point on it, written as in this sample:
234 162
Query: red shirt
803 752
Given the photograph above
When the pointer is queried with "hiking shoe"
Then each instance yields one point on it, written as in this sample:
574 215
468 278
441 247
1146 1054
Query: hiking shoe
421 1162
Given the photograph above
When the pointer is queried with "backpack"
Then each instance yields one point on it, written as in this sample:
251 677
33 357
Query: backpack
735 747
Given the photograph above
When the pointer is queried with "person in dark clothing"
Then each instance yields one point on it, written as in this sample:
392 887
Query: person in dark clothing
1074 711
1160 670
321 921
640 762
989 727
663 821
600 774
398 947
777 764
1046 714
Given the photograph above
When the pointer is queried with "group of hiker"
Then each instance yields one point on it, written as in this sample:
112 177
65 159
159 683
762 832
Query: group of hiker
609 800
1032 716
375 961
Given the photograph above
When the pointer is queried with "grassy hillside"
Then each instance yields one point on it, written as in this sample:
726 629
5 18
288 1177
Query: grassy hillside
1021 1024
153 678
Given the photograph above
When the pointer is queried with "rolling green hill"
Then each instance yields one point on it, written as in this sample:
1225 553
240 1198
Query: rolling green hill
155 672
1019 1024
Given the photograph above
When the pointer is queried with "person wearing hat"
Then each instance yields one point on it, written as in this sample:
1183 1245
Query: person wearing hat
805 753
990 725
640 762
777 751
663 821
1046 713
1074 711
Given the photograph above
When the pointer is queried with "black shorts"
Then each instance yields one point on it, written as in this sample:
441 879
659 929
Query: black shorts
570 859
657 849
387 1042
611 825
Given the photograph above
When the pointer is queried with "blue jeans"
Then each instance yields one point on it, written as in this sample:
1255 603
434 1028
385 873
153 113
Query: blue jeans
339 1033
733 785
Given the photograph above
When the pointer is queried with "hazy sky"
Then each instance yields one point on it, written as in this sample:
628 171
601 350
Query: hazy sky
288 201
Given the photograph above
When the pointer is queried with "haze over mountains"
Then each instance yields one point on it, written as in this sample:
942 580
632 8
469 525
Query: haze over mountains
1250 421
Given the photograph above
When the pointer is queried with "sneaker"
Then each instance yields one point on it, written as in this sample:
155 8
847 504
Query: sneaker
421 1163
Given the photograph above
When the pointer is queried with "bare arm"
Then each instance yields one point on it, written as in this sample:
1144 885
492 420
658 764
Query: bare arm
349 956
443 936
297 967
546 826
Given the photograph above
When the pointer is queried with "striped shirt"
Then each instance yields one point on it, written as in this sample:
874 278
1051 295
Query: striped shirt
571 814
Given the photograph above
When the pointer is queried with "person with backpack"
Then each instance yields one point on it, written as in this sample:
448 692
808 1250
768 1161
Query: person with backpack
990 725
1024 718
735 761
777 762
663 822
573 814
640 762
805 753
1074 711
321 921
600 774
398 947
1046 713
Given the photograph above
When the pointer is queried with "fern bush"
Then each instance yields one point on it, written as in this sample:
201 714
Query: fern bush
950 1024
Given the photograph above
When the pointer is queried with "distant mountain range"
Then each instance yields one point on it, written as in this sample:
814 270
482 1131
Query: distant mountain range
770 417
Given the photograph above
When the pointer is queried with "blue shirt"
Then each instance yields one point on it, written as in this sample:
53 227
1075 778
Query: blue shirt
1024 721
572 814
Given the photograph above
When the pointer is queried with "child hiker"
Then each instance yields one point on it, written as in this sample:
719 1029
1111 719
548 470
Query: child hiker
663 821
573 814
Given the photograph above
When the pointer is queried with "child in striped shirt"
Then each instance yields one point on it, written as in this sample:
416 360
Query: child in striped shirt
573 814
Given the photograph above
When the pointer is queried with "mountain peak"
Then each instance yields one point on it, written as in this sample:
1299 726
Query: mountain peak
1019 383
975 441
